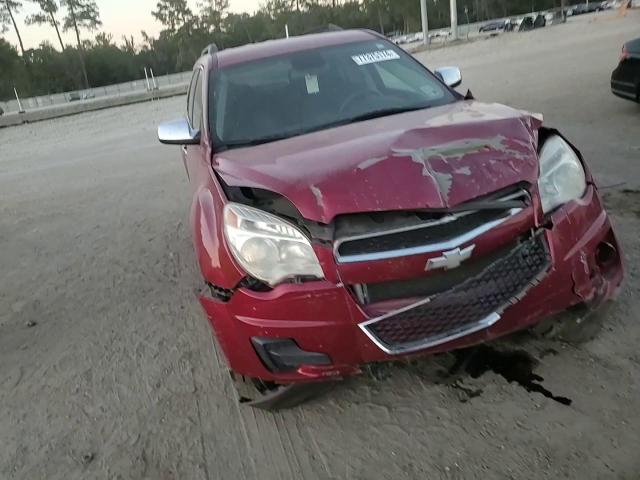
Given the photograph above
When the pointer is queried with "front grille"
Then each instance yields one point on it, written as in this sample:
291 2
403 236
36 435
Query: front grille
442 231
468 307
357 239
429 285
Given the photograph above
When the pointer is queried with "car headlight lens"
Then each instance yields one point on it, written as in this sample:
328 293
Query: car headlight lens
562 177
267 247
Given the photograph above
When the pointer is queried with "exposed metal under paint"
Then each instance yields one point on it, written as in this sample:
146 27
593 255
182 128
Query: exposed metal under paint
370 162
457 149
318 194
444 181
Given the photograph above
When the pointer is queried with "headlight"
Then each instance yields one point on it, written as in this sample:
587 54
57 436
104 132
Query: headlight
267 247
561 174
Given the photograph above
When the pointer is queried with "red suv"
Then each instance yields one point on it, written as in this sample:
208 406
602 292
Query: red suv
350 207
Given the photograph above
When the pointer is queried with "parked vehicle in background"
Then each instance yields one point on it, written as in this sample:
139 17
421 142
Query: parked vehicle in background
493 26
440 34
582 8
578 9
400 40
413 37
349 206
625 79
512 24
540 21
530 22
526 24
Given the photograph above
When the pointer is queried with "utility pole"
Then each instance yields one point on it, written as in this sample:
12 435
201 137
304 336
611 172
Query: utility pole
425 22
454 20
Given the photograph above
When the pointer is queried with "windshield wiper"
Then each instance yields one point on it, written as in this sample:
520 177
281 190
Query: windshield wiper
252 142
383 113
358 118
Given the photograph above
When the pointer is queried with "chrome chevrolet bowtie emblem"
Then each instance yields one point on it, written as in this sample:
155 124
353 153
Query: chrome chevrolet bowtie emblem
451 259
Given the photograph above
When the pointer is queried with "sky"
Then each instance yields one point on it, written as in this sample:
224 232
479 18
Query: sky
119 17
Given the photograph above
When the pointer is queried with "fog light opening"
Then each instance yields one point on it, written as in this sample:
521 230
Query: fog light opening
606 255
284 354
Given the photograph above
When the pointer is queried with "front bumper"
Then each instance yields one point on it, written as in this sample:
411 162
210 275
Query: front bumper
324 317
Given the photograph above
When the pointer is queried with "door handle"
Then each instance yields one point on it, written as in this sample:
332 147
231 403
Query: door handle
184 149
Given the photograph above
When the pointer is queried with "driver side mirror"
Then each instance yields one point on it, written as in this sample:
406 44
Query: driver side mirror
451 76
178 132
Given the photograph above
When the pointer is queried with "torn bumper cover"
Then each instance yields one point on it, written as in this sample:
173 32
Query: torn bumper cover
322 329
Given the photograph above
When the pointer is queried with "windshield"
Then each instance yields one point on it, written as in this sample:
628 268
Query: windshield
302 92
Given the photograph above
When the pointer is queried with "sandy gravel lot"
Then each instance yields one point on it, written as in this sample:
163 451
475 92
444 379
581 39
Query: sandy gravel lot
108 369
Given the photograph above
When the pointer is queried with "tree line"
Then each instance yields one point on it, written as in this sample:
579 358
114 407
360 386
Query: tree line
96 60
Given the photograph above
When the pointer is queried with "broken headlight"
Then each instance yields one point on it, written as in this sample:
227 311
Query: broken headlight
267 247
561 174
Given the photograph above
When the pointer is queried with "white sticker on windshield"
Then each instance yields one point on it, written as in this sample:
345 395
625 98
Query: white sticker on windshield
375 57
312 84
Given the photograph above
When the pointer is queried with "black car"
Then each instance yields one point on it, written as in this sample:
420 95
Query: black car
625 79
492 26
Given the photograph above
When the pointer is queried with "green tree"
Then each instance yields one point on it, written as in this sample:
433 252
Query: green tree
12 69
212 13
81 14
46 15
173 14
7 10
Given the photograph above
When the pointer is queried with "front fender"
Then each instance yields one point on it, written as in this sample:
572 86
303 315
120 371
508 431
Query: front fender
214 258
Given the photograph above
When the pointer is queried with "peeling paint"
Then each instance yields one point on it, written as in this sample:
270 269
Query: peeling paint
417 156
444 181
370 162
459 148
318 194
463 171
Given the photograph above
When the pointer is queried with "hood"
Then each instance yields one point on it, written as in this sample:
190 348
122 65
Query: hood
428 159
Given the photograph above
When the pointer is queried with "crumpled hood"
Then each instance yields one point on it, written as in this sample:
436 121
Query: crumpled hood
434 158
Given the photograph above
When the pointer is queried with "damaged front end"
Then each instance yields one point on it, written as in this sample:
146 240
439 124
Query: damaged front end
498 236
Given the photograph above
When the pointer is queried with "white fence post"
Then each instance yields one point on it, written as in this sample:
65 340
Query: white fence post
20 109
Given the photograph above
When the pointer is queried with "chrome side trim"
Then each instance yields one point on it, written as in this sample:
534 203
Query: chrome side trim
623 93
433 247
433 341
626 84
417 226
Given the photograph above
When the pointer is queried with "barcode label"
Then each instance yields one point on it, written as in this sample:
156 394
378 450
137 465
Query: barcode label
375 57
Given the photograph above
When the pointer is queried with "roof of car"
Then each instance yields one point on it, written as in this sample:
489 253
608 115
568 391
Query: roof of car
271 48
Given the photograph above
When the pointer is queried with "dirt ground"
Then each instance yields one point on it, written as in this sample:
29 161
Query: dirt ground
108 369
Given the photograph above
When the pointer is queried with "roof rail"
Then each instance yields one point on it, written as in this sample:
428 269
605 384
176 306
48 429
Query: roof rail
330 27
211 48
